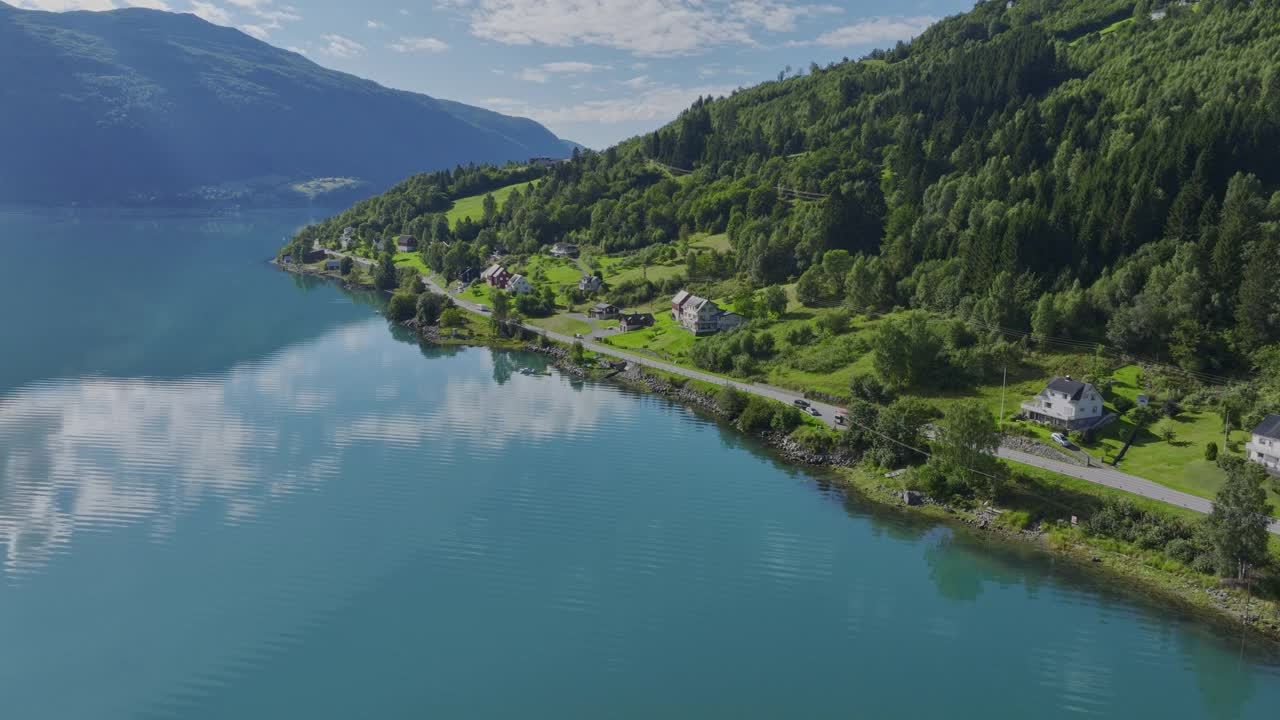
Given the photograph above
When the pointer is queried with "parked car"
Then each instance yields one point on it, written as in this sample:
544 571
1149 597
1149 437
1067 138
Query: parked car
812 411
841 418
1060 439
482 307
578 335
801 403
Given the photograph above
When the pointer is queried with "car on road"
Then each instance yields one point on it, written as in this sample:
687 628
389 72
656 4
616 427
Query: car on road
801 403
1060 439
482 307
841 417
812 411
578 335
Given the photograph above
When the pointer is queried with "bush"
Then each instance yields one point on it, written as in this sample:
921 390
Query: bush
731 401
869 387
1182 550
1122 405
757 415
785 418
1211 451
402 306
835 323
429 306
346 265
813 439
1077 437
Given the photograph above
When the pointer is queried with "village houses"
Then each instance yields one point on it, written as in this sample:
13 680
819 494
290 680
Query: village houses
701 316
1264 444
495 276
603 311
590 283
634 321
519 284
1067 404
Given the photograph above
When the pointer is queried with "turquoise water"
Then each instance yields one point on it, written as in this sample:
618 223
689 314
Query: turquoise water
227 493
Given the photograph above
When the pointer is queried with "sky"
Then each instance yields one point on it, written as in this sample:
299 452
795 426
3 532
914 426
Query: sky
593 71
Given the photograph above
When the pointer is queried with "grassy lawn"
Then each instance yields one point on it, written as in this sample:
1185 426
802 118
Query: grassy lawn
563 325
413 260
554 271
666 338
473 206
656 273
478 292
703 241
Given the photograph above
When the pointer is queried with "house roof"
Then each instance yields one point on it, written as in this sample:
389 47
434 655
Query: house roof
407 240
636 318
491 271
603 306
1071 388
1269 427
680 298
696 303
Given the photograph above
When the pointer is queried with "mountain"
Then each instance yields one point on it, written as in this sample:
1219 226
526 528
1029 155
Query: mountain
1089 170
146 105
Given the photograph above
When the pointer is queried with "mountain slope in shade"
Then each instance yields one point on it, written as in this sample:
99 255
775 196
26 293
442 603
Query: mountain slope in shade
147 105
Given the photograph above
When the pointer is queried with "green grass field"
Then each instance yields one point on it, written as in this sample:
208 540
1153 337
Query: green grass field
703 241
473 205
563 325
666 338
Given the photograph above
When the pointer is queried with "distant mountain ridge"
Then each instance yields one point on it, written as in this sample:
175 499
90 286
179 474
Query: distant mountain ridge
150 106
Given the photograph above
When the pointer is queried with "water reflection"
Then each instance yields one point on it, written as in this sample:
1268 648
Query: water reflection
100 452
170 297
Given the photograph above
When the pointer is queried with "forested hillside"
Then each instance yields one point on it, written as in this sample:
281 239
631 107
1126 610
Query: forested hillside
148 106
1092 169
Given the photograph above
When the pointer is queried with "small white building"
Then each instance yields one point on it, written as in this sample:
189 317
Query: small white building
701 316
1264 445
519 284
1066 403
406 243
564 250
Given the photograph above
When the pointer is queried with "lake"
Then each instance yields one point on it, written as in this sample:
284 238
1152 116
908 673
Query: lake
229 492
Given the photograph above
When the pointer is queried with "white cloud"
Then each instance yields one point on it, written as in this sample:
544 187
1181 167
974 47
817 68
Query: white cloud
532 75
374 25
339 46
870 31
405 12
573 67
638 81
542 73
776 16
257 31
215 14
656 102
419 44
644 27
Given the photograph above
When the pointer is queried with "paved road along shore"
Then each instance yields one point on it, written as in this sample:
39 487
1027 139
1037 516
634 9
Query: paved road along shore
1099 475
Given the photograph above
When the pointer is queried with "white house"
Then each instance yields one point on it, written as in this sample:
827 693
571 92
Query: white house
1264 446
519 284
564 250
1066 403
590 283
701 316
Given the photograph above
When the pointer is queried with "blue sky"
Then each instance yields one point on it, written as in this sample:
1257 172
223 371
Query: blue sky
594 71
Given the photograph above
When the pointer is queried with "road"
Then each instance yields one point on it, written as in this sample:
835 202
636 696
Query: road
1108 477
1118 480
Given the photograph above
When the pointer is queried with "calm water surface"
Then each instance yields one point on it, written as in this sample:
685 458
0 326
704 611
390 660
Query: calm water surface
228 493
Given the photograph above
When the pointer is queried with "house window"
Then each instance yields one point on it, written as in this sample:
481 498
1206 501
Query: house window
1048 405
